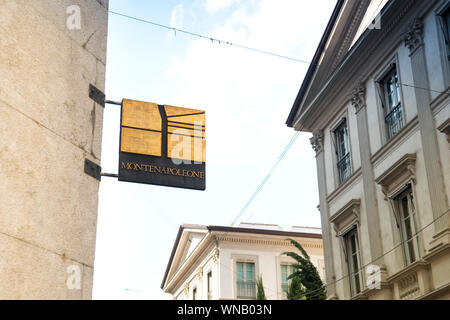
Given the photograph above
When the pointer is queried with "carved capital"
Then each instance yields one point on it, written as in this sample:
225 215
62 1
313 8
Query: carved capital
413 38
186 289
200 273
359 97
317 141
216 255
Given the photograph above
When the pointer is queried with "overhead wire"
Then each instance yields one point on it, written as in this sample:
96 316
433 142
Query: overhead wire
296 134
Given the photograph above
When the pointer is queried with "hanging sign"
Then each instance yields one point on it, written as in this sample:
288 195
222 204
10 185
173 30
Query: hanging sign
162 145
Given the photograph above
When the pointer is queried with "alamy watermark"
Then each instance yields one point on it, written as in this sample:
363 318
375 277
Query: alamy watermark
376 23
187 146
73 281
73 21
373 280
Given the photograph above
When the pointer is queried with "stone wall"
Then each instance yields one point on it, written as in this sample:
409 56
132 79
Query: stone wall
49 125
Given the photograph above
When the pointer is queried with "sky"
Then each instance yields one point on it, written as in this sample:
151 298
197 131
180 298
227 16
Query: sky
247 97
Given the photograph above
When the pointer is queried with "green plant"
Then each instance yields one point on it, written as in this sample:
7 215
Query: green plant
260 294
295 290
305 275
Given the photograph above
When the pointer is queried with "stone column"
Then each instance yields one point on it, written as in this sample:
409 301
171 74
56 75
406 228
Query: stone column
370 214
414 42
49 126
317 144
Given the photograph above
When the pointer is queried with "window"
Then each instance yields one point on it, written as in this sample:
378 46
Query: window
194 294
286 271
444 21
246 286
391 101
342 147
406 219
352 249
209 284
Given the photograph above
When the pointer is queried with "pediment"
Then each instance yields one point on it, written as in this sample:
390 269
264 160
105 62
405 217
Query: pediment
339 42
346 217
370 20
188 241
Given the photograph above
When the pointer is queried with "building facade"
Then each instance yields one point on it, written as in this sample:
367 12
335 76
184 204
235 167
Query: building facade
376 99
51 51
223 263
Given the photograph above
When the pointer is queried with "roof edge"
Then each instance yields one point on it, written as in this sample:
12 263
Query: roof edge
314 63
265 231
172 255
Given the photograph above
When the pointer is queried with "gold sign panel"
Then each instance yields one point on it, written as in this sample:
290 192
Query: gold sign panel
142 115
141 142
163 139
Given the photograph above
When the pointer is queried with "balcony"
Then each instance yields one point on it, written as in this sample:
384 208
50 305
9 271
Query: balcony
344 168
394 121
246 290
412 282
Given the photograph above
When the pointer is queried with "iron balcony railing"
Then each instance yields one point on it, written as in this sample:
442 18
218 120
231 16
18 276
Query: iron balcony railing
246 289
344 168
394 121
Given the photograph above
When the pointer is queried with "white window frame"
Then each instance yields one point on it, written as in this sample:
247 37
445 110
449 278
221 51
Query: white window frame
288 266
395 180
353 282
344 117
243 259
407 259
392 68
346 220
380 98
209 285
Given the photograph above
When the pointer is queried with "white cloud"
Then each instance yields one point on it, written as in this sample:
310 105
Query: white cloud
213 6
248 95
177 16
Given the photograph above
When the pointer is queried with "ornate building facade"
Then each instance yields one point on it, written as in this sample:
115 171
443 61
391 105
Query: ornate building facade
223 263
376 99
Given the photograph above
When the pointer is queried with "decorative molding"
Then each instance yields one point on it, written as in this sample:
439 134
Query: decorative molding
186 289
358 97
350 180
445 128
350 32
215 255
394 143
346 217
412 281
414 36
397 175
317 141
200 273
267 242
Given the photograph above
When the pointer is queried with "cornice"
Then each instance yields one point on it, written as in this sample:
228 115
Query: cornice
393 144
266 242
415 266
402 170
344 186
347 216
350 32
360 62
